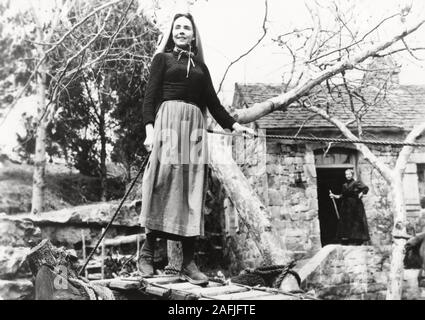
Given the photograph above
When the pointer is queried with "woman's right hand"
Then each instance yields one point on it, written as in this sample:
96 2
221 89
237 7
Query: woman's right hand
148 144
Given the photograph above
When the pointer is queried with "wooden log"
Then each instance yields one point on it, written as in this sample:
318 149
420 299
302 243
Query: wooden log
182 295
123 240
119 284
158 291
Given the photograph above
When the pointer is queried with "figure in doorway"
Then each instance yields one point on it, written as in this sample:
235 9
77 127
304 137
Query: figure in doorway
352 228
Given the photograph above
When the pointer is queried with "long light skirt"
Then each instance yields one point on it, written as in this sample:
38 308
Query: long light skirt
174 182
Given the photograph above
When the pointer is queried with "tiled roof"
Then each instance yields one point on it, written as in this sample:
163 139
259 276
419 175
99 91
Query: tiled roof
404 107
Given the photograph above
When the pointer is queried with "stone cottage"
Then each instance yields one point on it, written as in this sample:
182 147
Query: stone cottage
293 178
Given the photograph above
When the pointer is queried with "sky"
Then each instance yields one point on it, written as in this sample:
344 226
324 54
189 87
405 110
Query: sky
229 27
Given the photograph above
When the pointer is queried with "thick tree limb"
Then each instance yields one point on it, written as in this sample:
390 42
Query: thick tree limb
367 153
246 202
405 152
284 100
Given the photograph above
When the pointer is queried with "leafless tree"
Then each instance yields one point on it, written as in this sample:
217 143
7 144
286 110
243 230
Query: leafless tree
326 62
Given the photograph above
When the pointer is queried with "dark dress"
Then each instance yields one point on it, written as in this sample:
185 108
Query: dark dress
352 225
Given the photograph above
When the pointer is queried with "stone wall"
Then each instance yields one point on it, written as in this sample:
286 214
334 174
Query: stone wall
241 249
378 202
354 273
292 195
16 238
283 173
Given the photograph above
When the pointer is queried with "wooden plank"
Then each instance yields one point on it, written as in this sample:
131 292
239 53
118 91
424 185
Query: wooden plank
157 291
251 294
163 280
182 295
125 285
94 276
120 240
214 291
181 286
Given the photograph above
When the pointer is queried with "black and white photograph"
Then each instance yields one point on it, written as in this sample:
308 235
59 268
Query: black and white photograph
220 152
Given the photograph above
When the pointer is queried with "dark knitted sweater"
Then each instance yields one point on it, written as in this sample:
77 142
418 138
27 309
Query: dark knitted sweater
168 82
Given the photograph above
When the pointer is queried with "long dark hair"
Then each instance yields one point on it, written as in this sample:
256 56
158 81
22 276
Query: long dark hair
170 43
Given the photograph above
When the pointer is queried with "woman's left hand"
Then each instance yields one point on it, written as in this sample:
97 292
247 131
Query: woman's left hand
242 129
360 195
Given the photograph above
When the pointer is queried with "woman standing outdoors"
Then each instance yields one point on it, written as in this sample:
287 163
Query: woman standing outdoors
178 93
352 228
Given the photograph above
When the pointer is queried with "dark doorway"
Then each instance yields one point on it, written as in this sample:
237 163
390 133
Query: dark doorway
328 179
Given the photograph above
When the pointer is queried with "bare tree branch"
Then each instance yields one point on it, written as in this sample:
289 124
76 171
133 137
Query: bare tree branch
249 50
44 56
356 42
284 100
405 152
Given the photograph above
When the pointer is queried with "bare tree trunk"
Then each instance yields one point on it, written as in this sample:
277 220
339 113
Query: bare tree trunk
394 291
102 154
39 183
395 283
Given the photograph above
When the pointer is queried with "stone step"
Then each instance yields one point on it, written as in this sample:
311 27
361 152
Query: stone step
66 227
98 214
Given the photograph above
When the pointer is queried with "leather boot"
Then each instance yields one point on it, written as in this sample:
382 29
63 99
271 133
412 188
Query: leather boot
145 260
190 271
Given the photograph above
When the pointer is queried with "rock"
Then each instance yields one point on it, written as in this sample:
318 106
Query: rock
21 289
12 262
15 232
99 214
65 227
275 198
